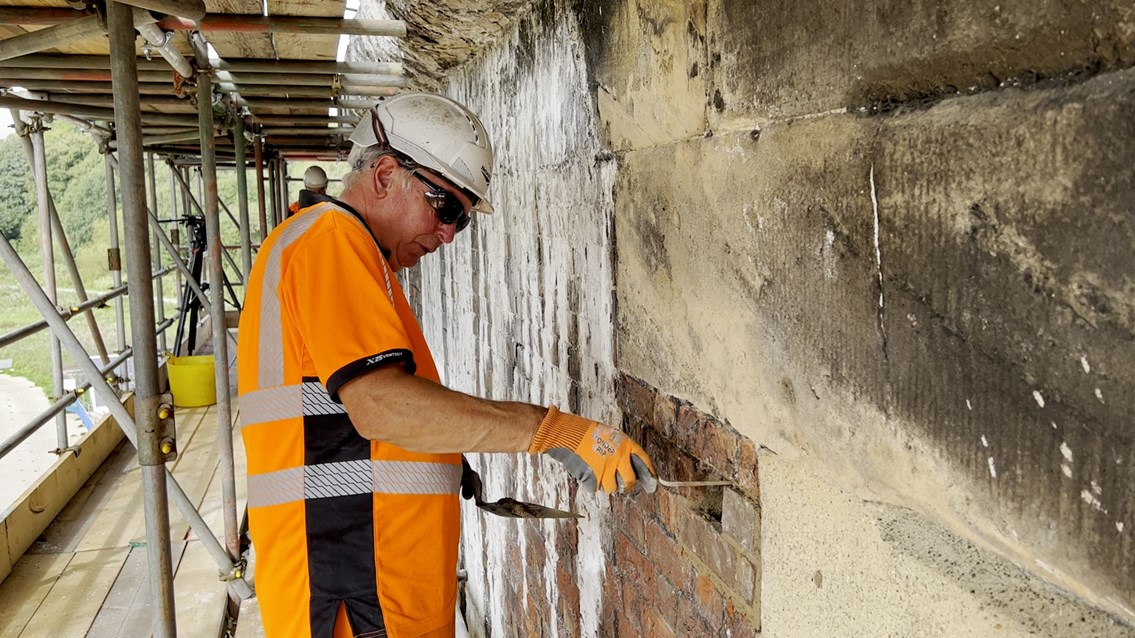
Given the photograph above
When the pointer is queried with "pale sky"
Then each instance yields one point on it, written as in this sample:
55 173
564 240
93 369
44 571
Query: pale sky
5 124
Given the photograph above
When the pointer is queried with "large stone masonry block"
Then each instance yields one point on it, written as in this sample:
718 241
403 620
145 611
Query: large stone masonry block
648 64
785 58
936 305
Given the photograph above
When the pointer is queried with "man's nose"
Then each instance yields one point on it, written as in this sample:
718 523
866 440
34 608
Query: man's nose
446 232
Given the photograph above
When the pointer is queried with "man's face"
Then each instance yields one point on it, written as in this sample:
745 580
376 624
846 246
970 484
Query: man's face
413 229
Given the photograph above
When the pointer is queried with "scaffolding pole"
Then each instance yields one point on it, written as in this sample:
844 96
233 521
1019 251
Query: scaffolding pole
114 252
258 153
128 127
273 194
220 329
47 253
64 245
159 289
242 201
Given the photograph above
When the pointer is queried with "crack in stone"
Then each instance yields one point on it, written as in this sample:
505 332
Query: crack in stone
880 314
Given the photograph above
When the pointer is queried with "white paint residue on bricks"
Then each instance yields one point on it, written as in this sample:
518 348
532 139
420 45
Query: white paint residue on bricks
1066 451
1099 395
542 274
968 404
1066 470
992 468
1084 364
984 442
1119 526
591 562
1096 489
1039 398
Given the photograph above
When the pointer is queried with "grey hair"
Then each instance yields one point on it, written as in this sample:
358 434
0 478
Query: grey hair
364 158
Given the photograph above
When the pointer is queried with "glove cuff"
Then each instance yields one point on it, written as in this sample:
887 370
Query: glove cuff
559 430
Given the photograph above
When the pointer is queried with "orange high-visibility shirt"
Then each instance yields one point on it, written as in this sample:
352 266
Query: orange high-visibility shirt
338 522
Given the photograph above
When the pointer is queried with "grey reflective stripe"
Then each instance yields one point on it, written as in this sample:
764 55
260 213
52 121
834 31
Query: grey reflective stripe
336 479
286 402
271 346
317 401
328 480
409 477
275 488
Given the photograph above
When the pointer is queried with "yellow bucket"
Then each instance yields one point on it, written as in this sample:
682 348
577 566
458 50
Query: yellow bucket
192 381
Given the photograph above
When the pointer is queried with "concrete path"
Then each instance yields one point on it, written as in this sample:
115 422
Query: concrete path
20 402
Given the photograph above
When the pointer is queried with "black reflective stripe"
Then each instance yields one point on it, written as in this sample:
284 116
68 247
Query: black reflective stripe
357 368
340 532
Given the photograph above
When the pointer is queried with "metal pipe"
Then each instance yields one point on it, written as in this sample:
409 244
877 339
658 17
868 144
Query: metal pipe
242 199
303 120
86 111
47 254
285 199
160 234
308 79
236 65
312 130
326 67
309 105
89 75
168 138
64 245
39 15
61 34
258 154
304 25
273 193
114 253
185 9
59 406
162 42
220 331
159 288
66 87
35 294
30 329
71 61
128 127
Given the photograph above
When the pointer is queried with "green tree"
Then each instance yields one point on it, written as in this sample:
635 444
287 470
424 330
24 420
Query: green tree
16 201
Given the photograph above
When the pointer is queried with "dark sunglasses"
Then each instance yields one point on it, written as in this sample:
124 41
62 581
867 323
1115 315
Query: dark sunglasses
447 207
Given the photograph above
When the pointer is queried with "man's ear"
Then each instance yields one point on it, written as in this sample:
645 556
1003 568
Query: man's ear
384 175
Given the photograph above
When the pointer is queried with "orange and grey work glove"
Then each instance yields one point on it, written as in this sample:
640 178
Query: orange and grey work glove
598 456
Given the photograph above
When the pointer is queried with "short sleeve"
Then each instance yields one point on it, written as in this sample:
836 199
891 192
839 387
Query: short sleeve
334 289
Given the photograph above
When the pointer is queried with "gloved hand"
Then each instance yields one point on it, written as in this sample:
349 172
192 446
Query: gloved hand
598 456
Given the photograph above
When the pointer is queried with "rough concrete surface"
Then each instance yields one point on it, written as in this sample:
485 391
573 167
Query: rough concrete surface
775 281
873 569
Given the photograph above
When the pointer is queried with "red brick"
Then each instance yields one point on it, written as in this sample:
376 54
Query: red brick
635 398
655 626
725 560
741 520
708 602
664 415
690 622
665 554
747 476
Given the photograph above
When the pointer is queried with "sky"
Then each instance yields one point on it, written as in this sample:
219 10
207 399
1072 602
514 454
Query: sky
5 124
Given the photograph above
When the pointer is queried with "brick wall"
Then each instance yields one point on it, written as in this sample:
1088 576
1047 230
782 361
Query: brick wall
687 560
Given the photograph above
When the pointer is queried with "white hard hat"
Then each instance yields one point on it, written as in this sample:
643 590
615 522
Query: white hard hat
314 177
437 133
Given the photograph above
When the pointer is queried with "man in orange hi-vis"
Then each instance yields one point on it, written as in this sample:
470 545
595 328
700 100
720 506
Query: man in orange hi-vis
353 446
314 183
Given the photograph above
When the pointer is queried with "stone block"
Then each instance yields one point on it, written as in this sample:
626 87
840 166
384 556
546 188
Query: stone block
649 61
880 53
